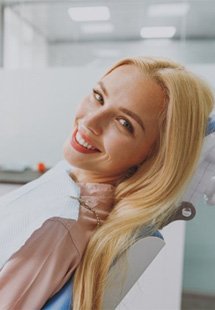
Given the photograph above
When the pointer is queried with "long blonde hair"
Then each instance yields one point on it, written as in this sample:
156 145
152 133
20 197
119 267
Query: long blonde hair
150 195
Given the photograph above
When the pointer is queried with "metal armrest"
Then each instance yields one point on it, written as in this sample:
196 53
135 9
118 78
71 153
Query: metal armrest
185 212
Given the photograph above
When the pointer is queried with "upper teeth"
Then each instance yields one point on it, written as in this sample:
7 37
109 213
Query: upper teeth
83 142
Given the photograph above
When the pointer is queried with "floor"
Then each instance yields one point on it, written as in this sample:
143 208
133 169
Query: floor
197 302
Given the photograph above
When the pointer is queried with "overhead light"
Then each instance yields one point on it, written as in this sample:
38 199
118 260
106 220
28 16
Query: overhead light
168 9
157 32
91 13
97 28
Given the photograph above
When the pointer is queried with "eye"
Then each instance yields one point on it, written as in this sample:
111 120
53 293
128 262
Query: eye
98 96
126 124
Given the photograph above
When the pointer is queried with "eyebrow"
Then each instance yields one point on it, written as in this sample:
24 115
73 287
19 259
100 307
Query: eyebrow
103 88
126 111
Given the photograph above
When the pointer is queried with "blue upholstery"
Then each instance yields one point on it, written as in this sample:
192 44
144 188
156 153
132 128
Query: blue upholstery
211 125
62 300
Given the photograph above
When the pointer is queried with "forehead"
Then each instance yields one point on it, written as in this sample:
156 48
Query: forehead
127 86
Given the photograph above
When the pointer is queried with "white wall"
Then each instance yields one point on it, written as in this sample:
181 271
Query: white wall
37 109
1 35
187 52
22 45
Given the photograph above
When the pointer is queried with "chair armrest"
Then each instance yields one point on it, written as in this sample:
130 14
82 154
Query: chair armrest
185 212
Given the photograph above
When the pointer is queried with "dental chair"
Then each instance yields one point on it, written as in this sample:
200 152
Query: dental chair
138 257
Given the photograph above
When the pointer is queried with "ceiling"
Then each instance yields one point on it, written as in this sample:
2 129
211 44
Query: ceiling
51 19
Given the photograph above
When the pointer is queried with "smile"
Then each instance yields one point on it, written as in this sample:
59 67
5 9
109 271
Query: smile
79 143
82 142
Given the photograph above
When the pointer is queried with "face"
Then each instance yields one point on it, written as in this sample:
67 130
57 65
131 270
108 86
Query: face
115 126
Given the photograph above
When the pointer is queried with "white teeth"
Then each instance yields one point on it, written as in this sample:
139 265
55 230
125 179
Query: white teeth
82 142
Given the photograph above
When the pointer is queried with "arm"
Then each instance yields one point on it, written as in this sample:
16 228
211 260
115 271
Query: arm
36 270
48 258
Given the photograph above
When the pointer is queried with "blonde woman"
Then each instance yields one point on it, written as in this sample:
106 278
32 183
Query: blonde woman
136 141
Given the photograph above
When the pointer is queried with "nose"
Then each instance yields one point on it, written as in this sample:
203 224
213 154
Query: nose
95 122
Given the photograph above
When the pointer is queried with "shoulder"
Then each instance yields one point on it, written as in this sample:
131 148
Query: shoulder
53 235
63 230
63 223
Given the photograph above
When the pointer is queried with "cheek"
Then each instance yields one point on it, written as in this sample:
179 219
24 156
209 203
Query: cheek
118 146
124 150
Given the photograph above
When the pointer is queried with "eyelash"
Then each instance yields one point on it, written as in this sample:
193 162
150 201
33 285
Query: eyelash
95 93
101 101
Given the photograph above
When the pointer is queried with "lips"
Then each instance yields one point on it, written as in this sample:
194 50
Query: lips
80 148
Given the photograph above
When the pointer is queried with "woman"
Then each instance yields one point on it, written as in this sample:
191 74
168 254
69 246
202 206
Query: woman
138 134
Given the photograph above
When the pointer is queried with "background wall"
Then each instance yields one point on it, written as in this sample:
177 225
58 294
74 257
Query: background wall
37 109
187 52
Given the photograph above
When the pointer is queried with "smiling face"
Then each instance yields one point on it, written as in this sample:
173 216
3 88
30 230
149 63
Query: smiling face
115 126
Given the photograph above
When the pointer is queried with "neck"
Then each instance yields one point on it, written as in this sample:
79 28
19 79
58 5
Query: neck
84 176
